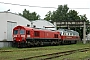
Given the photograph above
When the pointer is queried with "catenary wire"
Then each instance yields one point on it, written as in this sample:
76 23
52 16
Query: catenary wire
38 6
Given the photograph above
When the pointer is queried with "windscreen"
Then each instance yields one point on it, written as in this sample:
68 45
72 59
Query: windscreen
22 31
15 32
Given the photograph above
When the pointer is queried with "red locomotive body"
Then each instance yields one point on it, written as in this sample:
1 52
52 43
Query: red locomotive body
26 36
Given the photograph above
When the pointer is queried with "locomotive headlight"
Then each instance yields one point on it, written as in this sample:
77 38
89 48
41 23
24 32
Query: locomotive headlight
28 35
22 35
15 35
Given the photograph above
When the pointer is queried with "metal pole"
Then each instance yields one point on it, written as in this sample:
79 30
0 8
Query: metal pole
84 33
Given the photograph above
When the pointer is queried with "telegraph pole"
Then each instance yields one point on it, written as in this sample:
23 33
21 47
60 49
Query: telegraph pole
84 33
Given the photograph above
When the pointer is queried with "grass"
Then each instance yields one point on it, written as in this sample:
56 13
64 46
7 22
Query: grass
27 52
75 56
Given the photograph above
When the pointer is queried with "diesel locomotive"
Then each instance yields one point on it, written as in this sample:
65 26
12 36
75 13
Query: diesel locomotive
24 36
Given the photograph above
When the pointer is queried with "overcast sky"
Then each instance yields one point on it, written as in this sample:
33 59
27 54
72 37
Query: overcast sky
45 3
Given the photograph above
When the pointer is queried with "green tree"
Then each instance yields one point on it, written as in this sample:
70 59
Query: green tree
30 16
83 17
73 15
63 13
60 13
48 16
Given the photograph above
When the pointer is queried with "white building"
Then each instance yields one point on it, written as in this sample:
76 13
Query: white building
7 22
43 24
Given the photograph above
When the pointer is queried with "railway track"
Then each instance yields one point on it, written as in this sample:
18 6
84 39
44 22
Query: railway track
55 55
2 50
6 51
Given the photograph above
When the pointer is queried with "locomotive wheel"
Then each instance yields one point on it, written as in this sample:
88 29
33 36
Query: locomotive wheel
23 44
58 42
62 42
41 43
75 42
52 43
36 43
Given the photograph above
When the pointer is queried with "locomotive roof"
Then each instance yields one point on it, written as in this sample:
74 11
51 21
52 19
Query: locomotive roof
70 31
28 28
25 27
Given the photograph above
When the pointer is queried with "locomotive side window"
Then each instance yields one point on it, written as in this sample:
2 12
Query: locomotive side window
67 34
28 32
55 35
70 34
36 33
15 32
63 33
22 31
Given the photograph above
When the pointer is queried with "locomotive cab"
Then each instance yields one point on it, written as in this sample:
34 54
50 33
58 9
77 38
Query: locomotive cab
19 35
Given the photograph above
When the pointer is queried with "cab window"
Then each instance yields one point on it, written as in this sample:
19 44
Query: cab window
22 31
15 32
